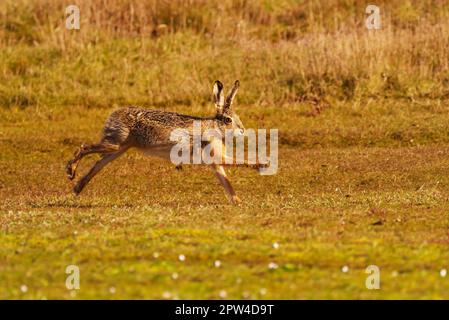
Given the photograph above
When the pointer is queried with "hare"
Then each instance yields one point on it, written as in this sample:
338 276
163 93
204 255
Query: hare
150 130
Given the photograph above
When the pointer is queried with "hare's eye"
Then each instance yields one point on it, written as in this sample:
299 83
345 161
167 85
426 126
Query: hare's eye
227 120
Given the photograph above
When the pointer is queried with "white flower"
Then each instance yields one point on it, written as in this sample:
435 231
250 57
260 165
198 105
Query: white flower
276 245
443 273
182 257
222 294
345 269
217 263
174 276
272 266
23 288
166 295
112 290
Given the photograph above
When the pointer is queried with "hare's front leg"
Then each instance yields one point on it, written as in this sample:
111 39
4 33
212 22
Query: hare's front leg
230 162
221 175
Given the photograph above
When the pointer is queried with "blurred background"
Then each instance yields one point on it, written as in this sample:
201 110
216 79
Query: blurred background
169 52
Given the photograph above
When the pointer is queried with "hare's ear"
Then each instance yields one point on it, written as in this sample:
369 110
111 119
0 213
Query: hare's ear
232 94
218 96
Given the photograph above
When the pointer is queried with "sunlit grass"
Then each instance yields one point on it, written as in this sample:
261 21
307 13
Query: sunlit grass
326 208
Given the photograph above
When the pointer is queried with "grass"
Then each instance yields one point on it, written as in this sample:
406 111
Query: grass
326 208
363 150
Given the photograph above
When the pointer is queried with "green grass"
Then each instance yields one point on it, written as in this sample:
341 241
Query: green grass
356 205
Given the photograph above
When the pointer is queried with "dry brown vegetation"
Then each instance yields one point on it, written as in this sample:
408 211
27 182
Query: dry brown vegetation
284 51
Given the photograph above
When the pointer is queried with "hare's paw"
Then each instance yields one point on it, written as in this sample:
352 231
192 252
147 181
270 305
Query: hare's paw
235 200
258 166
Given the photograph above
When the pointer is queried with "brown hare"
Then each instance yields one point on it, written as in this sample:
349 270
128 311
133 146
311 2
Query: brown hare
150 131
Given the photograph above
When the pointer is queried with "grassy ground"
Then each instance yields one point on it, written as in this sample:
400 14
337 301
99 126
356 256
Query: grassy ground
363 150
326 208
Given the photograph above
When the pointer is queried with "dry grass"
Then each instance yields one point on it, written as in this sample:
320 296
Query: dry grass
115 59
327 208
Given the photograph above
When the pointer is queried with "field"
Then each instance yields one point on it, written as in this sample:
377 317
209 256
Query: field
363 151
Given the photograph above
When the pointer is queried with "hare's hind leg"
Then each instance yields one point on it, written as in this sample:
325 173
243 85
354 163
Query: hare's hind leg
221 175
105 159
86 149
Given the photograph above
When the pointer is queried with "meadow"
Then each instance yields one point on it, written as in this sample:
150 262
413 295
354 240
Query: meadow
363 150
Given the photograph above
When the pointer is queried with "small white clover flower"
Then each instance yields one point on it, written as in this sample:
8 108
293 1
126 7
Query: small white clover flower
272 266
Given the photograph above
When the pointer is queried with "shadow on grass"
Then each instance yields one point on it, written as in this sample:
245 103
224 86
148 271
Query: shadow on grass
73 202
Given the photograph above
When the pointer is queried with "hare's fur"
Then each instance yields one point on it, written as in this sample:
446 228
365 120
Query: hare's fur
150 130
